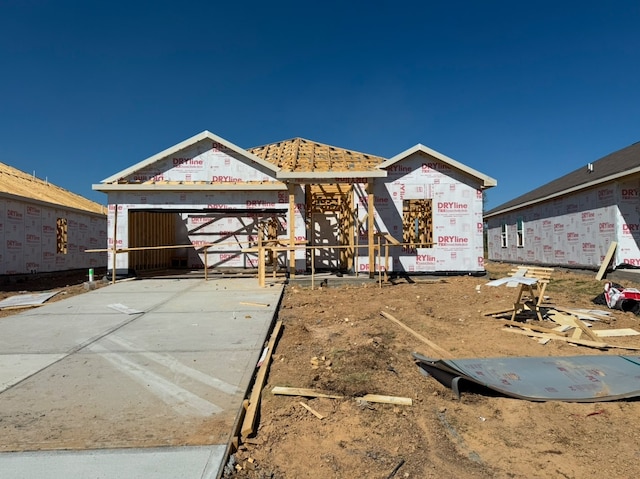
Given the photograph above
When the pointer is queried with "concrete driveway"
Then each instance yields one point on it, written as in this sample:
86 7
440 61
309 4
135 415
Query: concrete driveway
142 378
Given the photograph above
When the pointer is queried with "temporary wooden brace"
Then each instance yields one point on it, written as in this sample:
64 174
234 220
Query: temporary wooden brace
606 260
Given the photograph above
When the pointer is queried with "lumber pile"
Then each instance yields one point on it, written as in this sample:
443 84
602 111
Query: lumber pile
570 326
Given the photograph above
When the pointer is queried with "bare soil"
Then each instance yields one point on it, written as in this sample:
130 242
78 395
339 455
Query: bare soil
336 341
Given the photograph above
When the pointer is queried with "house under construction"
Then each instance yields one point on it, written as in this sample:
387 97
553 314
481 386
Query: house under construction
207 202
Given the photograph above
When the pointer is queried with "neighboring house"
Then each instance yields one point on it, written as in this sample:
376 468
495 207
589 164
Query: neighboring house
573 220
213 197
45 228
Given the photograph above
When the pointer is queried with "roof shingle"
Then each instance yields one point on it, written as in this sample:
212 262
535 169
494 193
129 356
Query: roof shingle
613 164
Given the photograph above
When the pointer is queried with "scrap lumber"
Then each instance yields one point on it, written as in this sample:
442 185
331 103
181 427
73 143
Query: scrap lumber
248 425
607 333
400 401
304 392
569 320
431 344
586 314
311 410
312 393
538 329
606 260
249 303
581 342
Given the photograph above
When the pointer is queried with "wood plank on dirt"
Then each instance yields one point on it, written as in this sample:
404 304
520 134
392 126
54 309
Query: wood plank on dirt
304 392
377 398
581 342
429 343
569 320
311 410
608 333
248 425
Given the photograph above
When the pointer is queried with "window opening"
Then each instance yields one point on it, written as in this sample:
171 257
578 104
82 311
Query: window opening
61 236
417 223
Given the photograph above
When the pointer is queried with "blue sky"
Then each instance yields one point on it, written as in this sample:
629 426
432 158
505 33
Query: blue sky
521 91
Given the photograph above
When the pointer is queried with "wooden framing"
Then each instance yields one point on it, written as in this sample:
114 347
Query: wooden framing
151 229
61 236
300 155
337 199
417 222
115 243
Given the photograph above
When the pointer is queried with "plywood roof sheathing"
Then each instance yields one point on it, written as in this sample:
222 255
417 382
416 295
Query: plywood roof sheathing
20 184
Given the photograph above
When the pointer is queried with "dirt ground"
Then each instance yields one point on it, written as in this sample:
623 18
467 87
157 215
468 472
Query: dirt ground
335 340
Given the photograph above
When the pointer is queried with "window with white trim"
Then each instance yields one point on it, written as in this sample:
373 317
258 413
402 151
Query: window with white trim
503 235
520 233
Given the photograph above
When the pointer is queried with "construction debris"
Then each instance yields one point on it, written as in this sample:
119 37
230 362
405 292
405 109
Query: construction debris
312 393
26 300
570 379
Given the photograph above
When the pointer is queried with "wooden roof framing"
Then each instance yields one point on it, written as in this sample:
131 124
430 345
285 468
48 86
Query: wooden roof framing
307 157
20 184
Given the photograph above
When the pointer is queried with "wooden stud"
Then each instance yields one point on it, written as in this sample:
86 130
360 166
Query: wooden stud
292 229
370 226
115 242
261 259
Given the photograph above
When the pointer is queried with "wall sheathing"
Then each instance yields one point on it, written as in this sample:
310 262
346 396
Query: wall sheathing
574 230
457 216
29 241
228 218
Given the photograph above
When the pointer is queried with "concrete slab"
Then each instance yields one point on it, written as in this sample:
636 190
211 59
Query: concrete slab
78 375
158 463
16 367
